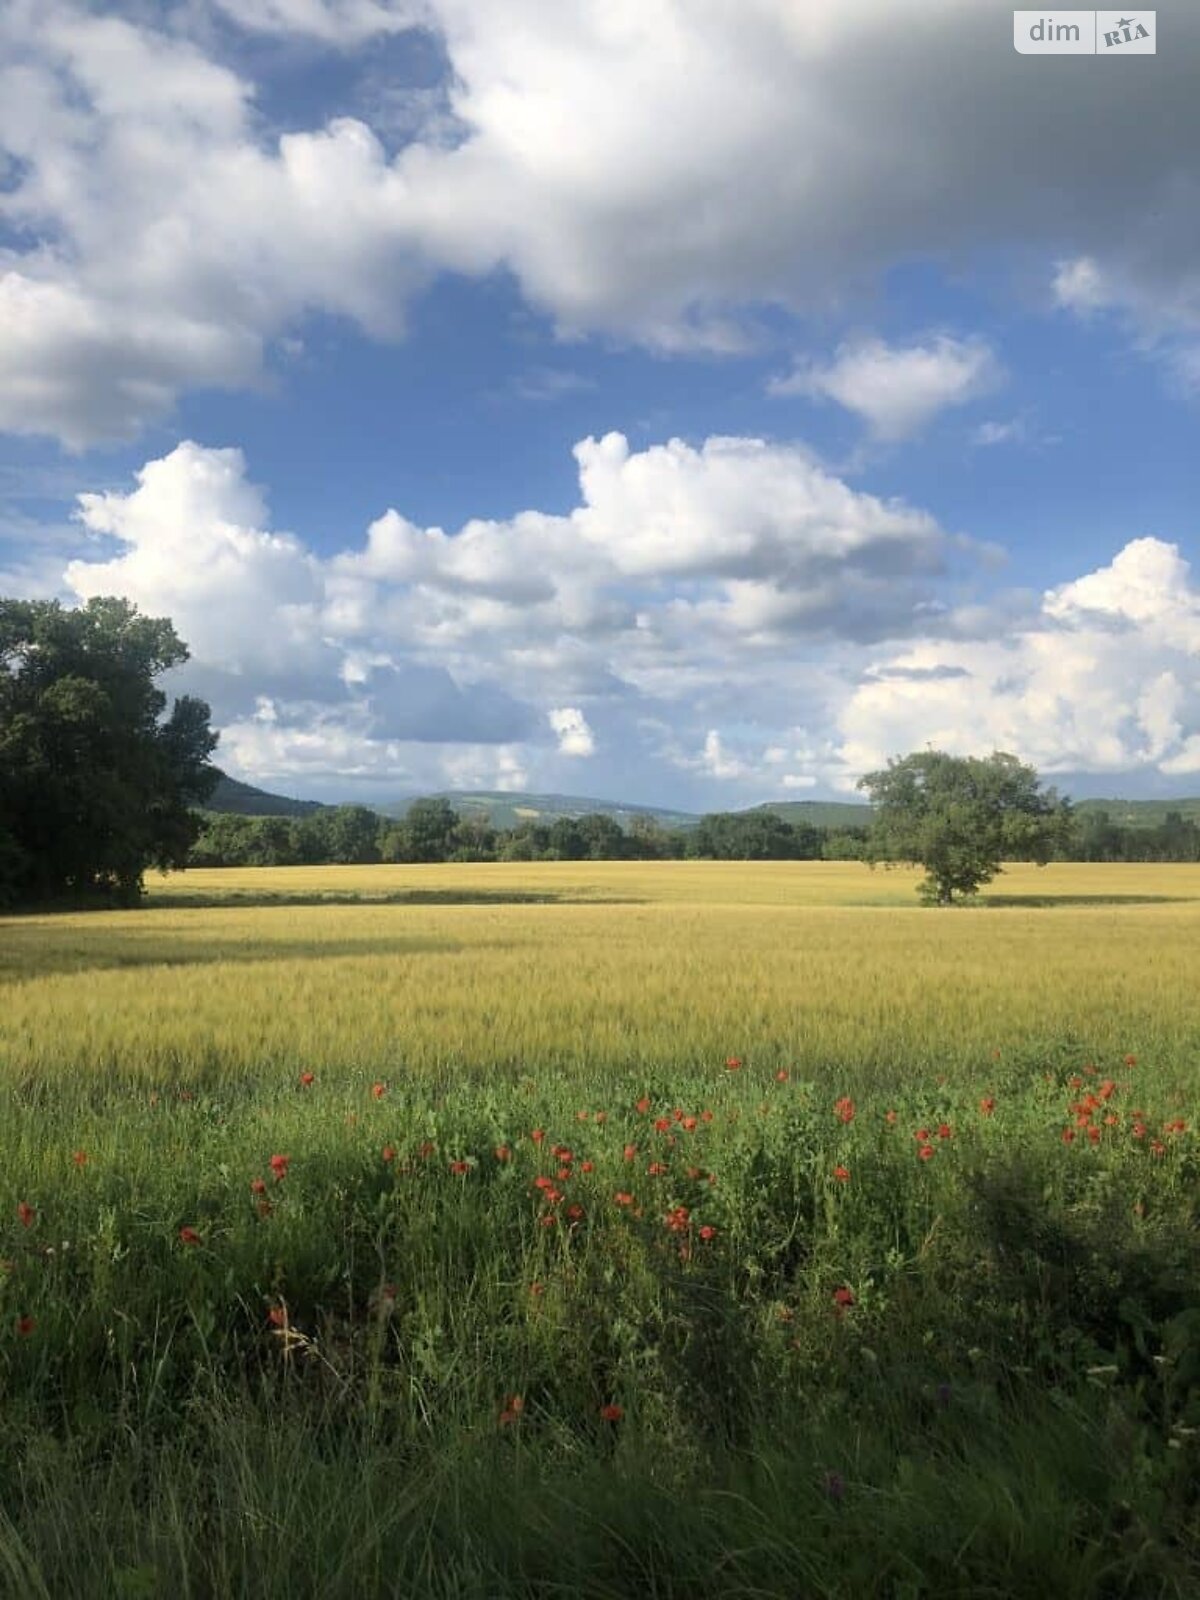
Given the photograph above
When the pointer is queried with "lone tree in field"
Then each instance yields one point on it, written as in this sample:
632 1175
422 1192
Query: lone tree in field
959 817
94 786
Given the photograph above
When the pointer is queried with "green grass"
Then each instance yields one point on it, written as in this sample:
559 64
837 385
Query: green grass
976 1373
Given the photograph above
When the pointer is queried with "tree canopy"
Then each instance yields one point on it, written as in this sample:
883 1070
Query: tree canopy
960 816
94 785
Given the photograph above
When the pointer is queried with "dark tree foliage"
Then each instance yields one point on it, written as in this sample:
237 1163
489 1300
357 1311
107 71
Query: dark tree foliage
94 786
960 816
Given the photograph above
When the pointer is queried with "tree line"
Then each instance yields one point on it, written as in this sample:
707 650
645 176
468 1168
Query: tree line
433 831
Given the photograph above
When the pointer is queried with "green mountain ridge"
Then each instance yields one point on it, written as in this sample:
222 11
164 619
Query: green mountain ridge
508 808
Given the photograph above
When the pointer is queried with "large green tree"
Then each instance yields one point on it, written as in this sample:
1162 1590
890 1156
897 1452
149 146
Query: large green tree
959 817
95 784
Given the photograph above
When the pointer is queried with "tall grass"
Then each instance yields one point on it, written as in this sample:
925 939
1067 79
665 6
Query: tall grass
877 1228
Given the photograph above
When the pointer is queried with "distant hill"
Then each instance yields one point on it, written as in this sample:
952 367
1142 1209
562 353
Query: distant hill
507 809
820 813
244 800
1140 813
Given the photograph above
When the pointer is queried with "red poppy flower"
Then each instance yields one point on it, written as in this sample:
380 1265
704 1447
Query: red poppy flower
842 1174
843 1297
631 1152
460 1168
1094 1135
502 1153
538 1135
706 1116
549 1220
1139 1130
843 1109
657 1169
426 1149
26 1325
708 1232
925 1152
27 1214
264 1208
662 1124
257 1186
536 1289
582 1116
575 1213
922 1136
601 1117
945 1131
587 1166
733 1063
379 1090
611 1413
643 1104
782 1075
306 1080
1131 1061
890 1116
388 1153
80 1158
277 1317
623 1197
189 1236
987 1105
1068 1136
279 1166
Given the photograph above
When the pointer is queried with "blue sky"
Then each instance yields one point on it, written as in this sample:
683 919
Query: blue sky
693 405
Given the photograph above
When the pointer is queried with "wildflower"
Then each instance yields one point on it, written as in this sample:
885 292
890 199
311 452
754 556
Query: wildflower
264 1208
611 1413
378 1090
708 1232
677 1115
537 1135
688 1124
782 1075
536 1289
1139 1130
513 1408
587 1166
563 1174
601 1117
842 1174
189 1236
27 1214
643 1104
279 1166
25 1326
306 1080
987 1105
502 1153
1068 1136
945 1131
843 1109
389 1154
583 1116
1178 1125
257 1186
1111 1120
575 1213
843 1297
925 1152
426 1149
631 1152
662 1124
657 1169
890 1117
706 1116
1131 1061
1094 1135
80 1158
1157 1148
678 1220
733 1063
623 1197
1106 1089
460 1168
922 1136
277 1317
543 1182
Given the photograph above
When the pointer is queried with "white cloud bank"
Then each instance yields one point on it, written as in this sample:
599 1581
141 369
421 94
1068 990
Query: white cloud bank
655 170
730 617
899 390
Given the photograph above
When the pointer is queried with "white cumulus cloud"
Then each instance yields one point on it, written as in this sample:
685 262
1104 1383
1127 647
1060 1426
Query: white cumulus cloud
575 738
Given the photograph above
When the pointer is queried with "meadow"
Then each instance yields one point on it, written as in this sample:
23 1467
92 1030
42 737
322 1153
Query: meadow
672 1229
